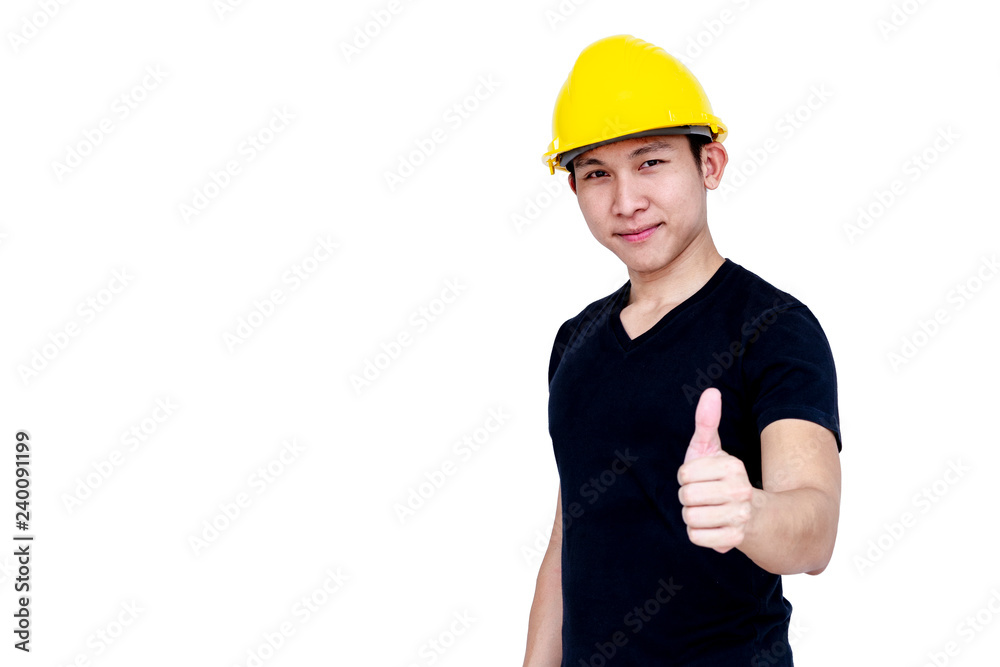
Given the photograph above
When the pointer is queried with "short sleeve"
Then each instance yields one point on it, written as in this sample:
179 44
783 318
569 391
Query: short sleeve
789 370
559 346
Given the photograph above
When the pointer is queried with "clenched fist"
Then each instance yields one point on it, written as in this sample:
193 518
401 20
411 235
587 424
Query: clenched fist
715 492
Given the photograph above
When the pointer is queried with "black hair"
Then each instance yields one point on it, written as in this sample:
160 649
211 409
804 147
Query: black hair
695 141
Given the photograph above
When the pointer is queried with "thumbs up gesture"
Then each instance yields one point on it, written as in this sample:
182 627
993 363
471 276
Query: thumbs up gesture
715 491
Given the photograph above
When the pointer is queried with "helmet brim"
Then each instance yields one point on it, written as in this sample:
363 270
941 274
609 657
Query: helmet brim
567 157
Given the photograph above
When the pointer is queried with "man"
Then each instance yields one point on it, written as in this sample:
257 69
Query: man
693 412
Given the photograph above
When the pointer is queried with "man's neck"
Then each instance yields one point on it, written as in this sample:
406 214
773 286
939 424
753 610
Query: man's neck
675 282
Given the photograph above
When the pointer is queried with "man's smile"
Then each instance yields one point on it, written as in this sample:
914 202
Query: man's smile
639 234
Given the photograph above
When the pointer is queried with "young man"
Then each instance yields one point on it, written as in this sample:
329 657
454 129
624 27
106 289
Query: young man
693 412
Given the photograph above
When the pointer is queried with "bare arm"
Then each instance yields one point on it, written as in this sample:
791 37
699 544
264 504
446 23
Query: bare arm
545 620
790 525
793 525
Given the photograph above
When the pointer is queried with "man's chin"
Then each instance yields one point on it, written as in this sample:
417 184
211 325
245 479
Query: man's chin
643 266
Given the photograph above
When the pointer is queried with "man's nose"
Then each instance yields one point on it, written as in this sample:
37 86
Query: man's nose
629 197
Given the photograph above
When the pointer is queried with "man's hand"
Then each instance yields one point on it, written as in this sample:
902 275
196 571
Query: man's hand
715 490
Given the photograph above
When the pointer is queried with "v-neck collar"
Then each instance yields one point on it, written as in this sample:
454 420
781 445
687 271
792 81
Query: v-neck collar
628 344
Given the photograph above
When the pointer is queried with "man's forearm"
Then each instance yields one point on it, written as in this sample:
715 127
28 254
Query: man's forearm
545 620
791 531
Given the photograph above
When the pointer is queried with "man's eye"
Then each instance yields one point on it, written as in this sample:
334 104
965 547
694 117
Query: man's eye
653 161
595 173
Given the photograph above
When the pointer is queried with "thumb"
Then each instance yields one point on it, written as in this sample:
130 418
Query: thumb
705 441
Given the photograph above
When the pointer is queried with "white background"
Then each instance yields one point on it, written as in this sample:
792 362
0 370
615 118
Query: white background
475 212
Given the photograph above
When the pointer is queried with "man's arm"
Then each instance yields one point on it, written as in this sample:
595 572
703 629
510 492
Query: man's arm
545 620
788 527
793 523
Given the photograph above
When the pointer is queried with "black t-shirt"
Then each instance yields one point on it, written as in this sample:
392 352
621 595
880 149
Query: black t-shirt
635 590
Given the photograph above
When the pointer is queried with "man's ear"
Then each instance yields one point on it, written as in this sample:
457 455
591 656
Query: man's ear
572 183
713 163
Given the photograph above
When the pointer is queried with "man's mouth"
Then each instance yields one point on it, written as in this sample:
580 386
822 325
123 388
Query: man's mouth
640 234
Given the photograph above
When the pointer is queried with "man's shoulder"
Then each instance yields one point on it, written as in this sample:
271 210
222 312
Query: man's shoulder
757 296
586 322
594 310
789 324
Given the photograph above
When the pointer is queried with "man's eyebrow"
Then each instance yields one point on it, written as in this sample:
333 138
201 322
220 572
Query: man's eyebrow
588 162
649 148
642 150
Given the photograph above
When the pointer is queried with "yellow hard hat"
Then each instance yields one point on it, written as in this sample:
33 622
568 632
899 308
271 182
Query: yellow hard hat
622 87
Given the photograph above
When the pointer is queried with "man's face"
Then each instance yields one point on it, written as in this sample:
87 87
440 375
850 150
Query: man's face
644 199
